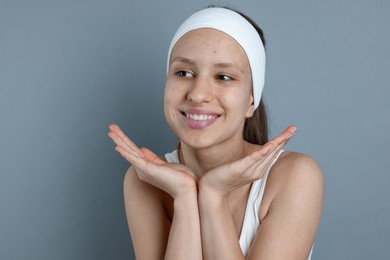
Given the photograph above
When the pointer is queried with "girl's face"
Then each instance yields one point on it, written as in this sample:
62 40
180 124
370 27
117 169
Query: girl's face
208 93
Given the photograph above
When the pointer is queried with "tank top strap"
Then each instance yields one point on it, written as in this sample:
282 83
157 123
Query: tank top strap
251 218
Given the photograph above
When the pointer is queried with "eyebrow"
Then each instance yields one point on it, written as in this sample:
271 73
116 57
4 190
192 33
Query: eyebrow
218 65
182 59
229 65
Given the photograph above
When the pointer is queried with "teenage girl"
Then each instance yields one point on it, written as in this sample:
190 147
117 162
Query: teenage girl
226 192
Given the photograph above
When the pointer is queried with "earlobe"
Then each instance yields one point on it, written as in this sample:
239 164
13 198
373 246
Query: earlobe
251 108
250 112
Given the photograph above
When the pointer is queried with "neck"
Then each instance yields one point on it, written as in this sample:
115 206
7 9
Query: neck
201 160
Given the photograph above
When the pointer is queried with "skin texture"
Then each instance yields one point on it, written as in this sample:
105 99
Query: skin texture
195 210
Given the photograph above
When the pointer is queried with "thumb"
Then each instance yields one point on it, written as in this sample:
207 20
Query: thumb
151 156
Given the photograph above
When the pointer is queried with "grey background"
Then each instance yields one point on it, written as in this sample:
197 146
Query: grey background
70 68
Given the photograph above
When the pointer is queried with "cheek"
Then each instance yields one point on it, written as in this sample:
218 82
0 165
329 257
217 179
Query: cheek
170 96
240 98
240 102
175 92
171 89
171 101
167 99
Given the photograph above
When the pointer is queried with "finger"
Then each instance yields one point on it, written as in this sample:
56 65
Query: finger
274 153
149 169
283 139
151 156
115 128
264 151
258 156
132 158
268 160
285 135
256 170
271 153
261 158
120 142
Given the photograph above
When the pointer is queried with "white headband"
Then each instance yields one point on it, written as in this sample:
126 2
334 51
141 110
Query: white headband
239 29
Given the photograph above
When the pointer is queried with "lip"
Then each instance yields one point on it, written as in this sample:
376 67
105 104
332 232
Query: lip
196 118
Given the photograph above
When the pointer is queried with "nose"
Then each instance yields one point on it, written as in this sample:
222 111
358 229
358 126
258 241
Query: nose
201 90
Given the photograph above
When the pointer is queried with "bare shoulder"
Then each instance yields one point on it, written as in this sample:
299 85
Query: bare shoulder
138 193
291 209
294 168
133 184
135 188
295 179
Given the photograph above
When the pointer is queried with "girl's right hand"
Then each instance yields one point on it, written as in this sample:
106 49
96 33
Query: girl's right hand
173 178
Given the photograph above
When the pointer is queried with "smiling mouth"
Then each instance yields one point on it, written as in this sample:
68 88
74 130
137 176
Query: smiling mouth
197 117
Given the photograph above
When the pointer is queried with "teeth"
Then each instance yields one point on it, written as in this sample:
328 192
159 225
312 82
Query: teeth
200 117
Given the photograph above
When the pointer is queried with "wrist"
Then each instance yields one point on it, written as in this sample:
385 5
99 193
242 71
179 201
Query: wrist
208 189
185 189
186 200
210 198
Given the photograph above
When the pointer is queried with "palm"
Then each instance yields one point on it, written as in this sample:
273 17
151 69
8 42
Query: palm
163 175
173 178
228 177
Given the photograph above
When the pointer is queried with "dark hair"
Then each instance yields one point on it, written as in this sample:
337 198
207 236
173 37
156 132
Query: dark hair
255 127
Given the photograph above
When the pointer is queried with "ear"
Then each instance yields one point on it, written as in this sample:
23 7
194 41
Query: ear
251 108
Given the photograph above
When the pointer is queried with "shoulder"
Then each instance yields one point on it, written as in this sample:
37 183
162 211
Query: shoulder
291 209
138 191
132 181
295 179
294 168
135 189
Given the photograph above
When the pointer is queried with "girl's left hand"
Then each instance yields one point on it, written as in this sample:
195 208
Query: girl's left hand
222 180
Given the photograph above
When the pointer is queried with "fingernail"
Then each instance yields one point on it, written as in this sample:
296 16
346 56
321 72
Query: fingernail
294 129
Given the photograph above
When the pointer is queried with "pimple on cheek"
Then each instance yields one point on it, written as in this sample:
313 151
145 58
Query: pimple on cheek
169 87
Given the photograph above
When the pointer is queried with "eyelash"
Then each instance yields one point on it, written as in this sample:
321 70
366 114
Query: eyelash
224 77
184 74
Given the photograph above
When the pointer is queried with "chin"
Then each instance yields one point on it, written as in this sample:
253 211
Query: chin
198 142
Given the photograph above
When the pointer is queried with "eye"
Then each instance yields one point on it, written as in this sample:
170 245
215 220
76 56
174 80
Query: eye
224 77
184 74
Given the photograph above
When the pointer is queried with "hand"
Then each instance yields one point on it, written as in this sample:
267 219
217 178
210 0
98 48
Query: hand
222 180
173 178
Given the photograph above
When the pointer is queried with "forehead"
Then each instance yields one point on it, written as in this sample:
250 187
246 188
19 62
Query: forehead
208 41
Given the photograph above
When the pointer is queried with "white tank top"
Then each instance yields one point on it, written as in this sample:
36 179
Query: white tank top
251 218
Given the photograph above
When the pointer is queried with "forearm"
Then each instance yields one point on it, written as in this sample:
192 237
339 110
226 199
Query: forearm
184 238
219 237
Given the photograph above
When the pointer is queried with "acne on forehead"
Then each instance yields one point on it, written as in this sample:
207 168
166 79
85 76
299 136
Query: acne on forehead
200 40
